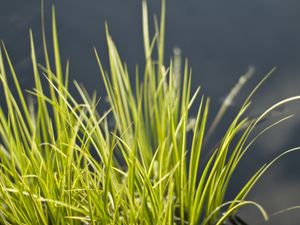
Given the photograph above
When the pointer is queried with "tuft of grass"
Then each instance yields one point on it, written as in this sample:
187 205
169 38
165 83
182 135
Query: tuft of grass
61 163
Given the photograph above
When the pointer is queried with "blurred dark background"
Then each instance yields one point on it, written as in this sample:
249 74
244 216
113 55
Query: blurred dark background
221 39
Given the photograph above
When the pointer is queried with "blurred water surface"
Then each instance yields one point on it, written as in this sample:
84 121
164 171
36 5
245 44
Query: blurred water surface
220 39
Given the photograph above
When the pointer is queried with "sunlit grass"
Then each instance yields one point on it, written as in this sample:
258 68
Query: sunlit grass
61 163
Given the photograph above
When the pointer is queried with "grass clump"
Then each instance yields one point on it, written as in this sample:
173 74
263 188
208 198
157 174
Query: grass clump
61 163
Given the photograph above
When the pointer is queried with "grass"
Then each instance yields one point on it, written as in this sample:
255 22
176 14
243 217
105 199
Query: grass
61 162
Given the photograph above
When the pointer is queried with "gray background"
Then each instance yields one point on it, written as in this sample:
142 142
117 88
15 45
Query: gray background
220 39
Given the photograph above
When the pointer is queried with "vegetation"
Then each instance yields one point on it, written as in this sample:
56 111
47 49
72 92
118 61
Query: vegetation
61 162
